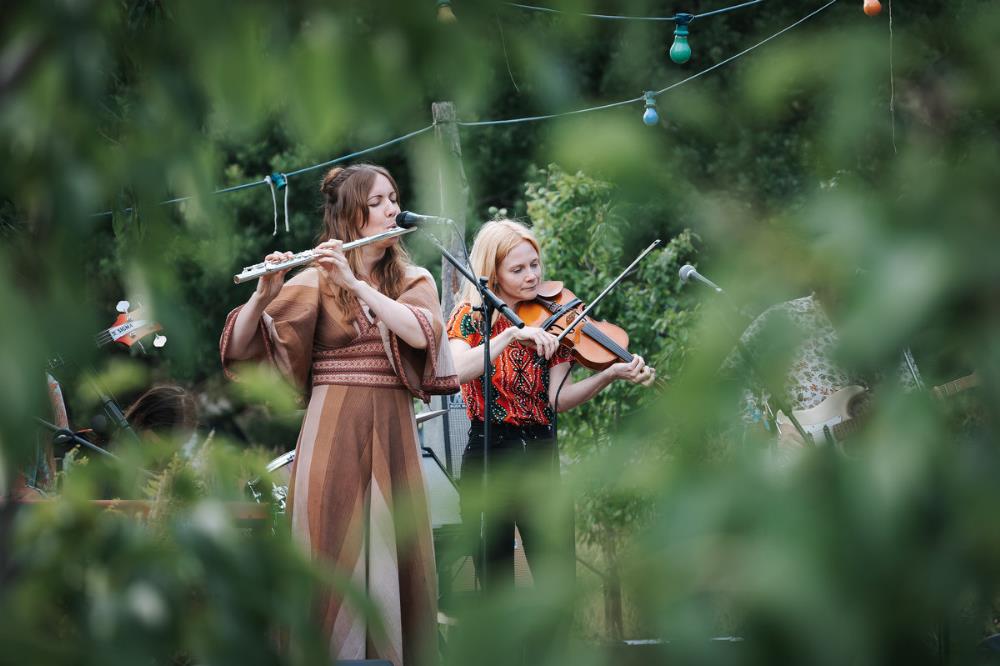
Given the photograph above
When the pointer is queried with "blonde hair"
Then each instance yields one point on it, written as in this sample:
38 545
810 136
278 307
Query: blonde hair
345 212
493 243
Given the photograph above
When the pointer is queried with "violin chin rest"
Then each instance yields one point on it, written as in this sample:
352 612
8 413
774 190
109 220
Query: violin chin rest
550 289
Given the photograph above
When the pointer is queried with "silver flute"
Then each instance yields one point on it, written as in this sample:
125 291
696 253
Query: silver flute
257 271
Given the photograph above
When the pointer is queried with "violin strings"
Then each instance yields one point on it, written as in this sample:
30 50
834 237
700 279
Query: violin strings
607 342
594 333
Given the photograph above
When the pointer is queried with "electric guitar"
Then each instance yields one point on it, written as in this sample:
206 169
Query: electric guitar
840 414
128 329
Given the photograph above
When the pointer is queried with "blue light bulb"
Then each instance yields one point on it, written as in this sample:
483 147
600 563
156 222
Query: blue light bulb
650 116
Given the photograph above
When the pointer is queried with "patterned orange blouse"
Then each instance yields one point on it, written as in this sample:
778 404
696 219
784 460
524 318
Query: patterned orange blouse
521 385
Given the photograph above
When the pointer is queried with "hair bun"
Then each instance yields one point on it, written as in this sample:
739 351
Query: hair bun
329 179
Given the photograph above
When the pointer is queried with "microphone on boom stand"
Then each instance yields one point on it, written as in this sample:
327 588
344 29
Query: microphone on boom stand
408 220
688 272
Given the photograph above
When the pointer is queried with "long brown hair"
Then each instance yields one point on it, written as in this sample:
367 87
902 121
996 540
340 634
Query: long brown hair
345 212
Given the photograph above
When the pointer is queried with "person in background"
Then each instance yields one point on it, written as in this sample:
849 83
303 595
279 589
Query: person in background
164 411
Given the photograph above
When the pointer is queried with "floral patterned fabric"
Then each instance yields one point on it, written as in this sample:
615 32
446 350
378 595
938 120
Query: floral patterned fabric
812 375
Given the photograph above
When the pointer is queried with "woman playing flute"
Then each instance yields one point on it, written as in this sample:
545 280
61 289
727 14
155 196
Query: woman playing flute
360 333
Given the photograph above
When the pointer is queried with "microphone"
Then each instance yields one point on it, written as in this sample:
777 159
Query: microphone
688 271
408 220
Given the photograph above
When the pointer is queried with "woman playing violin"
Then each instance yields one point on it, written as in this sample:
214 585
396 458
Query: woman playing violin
531 380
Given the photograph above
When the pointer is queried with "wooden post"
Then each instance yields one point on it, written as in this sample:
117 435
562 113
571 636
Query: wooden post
454 189
454 192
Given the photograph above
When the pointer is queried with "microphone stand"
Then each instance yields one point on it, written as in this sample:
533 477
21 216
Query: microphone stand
110 406
777 398
64 435
490 304
112 409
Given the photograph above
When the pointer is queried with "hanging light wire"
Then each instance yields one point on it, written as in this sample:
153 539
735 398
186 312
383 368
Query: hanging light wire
747 50
615 17
641 98
526 119
266 179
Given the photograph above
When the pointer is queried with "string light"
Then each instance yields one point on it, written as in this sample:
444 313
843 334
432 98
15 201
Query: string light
680 50
872 7
444 12
650 116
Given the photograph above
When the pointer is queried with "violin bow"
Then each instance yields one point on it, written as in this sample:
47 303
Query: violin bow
607 290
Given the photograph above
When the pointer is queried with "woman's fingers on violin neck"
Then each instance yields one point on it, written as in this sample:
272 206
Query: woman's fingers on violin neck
636 371
644 376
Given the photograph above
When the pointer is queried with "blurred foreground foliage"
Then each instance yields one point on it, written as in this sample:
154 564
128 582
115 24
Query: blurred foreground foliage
580 230
788 170
184 580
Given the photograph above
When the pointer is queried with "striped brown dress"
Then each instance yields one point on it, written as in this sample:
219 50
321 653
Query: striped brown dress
357 498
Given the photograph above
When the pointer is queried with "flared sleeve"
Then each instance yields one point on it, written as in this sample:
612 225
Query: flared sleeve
424 372
285 333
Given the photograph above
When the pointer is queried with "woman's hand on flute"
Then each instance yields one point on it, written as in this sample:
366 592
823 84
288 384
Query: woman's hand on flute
269 285
242 343
333 263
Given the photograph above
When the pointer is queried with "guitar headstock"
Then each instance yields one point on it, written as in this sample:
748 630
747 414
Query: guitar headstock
129 329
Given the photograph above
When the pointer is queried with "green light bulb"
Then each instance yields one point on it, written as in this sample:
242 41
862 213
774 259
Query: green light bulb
680 50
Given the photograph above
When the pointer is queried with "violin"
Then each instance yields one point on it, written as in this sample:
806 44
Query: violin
594 344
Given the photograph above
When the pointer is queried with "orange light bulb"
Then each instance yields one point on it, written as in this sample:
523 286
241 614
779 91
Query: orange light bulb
873 7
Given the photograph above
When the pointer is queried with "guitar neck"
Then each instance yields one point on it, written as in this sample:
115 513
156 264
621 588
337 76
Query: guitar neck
956 386
846 428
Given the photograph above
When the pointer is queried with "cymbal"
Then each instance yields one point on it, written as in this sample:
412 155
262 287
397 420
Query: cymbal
427 416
